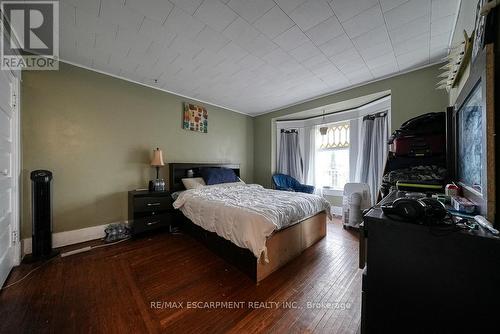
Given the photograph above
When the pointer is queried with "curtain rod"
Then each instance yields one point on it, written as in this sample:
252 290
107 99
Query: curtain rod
289 131
373 116
333 112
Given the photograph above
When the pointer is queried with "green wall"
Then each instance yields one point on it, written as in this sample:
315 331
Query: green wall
96 133
412 94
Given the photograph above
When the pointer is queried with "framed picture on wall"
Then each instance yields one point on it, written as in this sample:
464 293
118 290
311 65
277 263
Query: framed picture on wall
479 29
195 118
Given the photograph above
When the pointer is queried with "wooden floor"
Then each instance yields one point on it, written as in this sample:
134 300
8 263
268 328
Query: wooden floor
145 285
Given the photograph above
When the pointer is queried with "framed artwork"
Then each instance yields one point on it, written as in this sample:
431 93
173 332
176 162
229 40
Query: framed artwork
195 118
480 23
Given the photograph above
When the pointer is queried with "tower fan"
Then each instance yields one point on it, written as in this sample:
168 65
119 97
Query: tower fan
41 216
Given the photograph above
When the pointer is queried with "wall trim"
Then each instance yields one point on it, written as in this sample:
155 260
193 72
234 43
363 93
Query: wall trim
66 238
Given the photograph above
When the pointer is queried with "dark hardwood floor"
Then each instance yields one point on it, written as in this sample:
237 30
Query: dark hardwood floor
131 287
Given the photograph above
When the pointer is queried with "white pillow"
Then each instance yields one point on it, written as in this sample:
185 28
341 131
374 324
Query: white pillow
193 183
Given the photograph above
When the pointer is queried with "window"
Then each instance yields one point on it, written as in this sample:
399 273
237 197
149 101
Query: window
332 155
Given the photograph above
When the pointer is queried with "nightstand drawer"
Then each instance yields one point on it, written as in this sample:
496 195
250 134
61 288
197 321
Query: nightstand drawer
150 223
147 204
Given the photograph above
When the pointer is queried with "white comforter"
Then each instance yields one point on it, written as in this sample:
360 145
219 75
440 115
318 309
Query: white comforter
246 214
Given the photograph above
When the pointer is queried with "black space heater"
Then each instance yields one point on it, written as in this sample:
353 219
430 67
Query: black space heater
41 213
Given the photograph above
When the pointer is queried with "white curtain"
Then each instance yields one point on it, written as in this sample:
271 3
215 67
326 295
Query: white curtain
290 158
372 153
309 153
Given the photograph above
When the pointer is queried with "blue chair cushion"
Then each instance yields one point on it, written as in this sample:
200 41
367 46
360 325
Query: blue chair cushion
288 183
216 175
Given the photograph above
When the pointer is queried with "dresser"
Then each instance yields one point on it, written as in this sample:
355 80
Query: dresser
427 279
148 211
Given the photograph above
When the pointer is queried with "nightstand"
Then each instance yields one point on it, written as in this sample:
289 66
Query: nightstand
148 211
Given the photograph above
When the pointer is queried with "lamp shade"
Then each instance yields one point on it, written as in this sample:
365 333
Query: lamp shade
157 158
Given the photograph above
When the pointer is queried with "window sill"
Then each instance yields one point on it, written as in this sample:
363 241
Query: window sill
332 192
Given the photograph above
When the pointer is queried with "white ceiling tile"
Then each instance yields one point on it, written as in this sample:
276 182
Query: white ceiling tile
153 9
407 12
305 51
412 29
443 8
277 57
289 5
414 58
324 69
251 10
211 39
156 31
274 22
216 14
348 61
189 6
89 6
442 25
129 40
325 31
360 75
346 9
336 45
207 58
364 22
113 12
250 62
416 43
261 46
385 70
91 23
310 13
372 38
290 66
233 52
390 4
441 40
67 15
135 40
185 47
291 38
183 24
241 32
383 60
315 60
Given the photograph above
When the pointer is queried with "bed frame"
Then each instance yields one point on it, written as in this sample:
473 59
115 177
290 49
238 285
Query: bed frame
282 246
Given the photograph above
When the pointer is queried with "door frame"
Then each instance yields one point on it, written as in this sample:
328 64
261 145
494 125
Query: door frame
16 167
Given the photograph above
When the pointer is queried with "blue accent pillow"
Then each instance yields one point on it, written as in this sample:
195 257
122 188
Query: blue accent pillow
216 175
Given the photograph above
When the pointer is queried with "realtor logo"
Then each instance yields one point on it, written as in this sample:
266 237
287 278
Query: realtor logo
30 35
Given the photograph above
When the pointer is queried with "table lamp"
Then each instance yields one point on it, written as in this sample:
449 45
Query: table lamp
157 162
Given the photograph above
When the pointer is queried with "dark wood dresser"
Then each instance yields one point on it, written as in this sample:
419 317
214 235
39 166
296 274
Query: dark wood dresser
148 211
428 279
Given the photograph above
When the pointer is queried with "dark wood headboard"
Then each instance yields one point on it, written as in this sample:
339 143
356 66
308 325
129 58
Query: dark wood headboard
178 171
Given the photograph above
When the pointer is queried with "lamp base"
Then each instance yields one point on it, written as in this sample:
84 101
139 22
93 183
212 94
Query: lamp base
156 185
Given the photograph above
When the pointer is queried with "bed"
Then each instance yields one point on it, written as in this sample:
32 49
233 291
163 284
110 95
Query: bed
256 229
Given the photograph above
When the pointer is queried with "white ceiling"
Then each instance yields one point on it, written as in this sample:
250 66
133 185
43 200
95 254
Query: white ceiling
254 56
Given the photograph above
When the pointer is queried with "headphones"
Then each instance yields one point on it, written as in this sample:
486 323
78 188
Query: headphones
427 211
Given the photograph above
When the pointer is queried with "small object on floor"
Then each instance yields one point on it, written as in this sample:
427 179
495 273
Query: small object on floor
115 232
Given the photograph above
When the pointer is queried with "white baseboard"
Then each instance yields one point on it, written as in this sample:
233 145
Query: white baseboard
336 210
70 237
